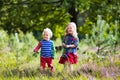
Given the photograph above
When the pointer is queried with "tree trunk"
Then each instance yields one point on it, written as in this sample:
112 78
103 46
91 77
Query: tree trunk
74 14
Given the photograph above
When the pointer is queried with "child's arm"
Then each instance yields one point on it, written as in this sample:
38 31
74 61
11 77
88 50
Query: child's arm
37 47
53 50
70 46
75 44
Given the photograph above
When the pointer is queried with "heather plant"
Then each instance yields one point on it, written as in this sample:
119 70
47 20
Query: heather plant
102 50
104 36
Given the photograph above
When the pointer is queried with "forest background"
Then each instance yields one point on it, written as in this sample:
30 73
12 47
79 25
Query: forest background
98 26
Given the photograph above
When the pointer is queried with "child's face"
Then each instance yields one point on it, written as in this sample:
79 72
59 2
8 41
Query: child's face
46 35
69 29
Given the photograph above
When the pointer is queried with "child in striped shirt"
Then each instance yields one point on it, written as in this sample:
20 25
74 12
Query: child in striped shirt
47 50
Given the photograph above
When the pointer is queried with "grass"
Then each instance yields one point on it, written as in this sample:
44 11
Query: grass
17 63
26 70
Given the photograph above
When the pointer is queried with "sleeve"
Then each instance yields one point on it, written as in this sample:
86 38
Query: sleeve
76 41
37 47
63 40
53 50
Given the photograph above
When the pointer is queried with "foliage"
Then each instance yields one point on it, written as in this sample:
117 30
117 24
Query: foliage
31 15
34 15
104 36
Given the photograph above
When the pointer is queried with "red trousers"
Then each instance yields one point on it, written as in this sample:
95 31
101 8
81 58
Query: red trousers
44 61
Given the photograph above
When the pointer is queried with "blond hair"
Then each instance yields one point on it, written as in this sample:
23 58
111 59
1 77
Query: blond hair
49 31
74 29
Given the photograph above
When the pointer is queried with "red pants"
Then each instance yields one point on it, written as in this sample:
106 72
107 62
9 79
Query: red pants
43 62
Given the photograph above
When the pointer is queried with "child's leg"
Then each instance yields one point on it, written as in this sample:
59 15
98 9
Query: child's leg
42 63
50 65
66 67
71 67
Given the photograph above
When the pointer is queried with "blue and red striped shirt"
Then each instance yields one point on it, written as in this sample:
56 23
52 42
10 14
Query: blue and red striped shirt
47 48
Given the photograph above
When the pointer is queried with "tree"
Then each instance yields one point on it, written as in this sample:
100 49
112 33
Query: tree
29 15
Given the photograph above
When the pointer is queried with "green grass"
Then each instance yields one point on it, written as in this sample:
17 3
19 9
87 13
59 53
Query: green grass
17 62
29 70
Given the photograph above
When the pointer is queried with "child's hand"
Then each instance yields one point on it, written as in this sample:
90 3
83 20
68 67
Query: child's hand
67 46
70 46
35 54
63 44
52 57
